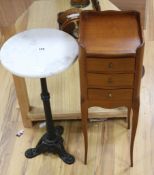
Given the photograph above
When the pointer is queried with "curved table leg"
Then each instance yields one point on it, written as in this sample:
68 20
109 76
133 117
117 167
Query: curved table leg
134 128
143 71
84 118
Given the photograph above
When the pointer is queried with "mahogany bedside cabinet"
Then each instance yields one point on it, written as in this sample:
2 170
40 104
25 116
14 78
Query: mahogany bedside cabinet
111 56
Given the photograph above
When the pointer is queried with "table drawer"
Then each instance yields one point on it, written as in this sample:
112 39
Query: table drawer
120 95
110 80
110 65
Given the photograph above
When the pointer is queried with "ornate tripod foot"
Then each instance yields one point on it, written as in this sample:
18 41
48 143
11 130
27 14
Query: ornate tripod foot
52 146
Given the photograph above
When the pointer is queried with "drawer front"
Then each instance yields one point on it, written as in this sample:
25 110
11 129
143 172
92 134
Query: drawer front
110 65
120 95
110 80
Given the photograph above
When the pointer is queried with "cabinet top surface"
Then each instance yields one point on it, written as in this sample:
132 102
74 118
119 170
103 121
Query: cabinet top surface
110 32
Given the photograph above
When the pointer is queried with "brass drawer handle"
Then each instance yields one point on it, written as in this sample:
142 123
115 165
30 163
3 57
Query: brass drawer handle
110 65
110 95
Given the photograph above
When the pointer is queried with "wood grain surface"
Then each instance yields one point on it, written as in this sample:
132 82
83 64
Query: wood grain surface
108 141
139 5
10 10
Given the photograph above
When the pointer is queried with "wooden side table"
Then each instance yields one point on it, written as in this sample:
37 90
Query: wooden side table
111 56
39 53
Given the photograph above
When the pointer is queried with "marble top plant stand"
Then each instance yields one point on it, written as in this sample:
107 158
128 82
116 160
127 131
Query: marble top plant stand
40 53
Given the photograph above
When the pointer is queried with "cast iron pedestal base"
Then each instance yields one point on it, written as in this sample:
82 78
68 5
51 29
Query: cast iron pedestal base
52 146
52 141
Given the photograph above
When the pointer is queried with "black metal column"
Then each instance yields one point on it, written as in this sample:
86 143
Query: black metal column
45 96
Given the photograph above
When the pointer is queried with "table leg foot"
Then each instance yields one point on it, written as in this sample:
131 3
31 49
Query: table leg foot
54 146
80 3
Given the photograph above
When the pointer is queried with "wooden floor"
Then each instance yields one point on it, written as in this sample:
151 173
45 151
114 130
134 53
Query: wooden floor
108 141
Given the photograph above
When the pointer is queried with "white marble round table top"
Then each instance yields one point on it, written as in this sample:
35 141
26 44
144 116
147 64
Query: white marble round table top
39 52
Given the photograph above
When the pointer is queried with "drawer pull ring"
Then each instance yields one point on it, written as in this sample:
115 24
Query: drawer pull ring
110 95
110 65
